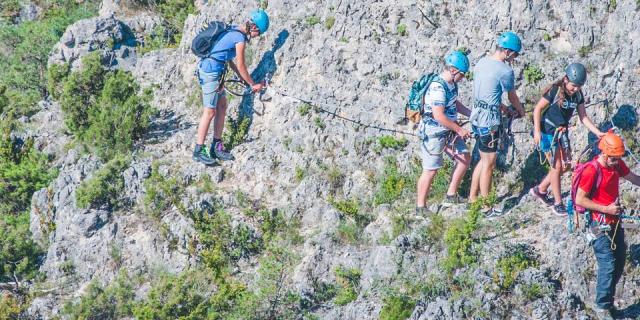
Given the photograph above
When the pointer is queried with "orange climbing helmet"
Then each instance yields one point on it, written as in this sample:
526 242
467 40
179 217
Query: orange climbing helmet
611 144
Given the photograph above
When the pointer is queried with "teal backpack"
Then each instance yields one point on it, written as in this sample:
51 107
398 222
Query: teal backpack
413 109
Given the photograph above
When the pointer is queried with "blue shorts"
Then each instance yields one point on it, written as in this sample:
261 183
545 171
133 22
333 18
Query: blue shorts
545 142
209 82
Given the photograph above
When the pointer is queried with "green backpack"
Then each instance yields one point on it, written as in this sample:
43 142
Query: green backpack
413 109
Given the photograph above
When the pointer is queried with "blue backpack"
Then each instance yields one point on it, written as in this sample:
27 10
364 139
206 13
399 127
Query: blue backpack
414 108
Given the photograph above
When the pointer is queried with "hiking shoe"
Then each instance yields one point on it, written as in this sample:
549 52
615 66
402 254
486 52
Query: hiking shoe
491 212
217 151
604 314
423 213
560 209
453 200
200 154
535 192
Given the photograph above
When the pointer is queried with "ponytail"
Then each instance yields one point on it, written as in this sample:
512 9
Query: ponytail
560 94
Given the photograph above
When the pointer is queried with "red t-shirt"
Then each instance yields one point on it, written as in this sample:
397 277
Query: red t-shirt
609 188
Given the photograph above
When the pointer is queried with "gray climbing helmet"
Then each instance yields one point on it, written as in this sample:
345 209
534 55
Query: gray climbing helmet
576 73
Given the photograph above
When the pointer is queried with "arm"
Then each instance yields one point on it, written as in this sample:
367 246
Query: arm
584 118
537 117
583 201
515 102
633 178
438 115
462 109
241 68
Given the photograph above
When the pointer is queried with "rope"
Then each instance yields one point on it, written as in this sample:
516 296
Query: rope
335 114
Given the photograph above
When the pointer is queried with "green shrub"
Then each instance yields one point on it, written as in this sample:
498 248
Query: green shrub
390 184
160 37
304 109
105 109
105 186
319 123
533 74
23 170
349 282
236 131
56 77
584 51
174 13
299 174
25 49
459 240
160 192
435 231
112 302
402 29
329 22
397 307
350 207
311 20
10 307
175 296
534 291
391 142
613 4
546 37
516 259
19 255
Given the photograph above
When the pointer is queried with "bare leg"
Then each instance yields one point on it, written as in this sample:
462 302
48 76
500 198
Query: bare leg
488 161
424 185
475 182
218 123
203 127
462 164
555 174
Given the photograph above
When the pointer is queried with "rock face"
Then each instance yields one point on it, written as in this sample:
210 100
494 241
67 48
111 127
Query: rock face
359 67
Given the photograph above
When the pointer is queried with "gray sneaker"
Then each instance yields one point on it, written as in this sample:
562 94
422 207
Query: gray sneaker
536 194
492 212
560 210
453 200
423 213
217 151
200 154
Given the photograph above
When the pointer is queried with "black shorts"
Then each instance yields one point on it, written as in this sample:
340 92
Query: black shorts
487 142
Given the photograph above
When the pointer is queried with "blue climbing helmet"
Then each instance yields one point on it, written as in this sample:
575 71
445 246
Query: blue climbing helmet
458 60
510 40
576 73
260 18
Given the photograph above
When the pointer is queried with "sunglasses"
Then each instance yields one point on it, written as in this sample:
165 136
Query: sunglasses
615 158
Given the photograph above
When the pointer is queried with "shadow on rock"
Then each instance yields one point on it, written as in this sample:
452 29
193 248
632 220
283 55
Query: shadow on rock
164 126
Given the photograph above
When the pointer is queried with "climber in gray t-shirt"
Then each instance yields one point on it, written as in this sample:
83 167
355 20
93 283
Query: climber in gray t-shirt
492 77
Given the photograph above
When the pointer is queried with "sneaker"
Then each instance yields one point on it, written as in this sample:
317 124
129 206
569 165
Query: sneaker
453 200
200 154
560 209
604 314
535 192
491 212
217 151
423 213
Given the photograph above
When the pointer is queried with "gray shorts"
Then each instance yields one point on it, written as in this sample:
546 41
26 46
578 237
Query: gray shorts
209 82
432 149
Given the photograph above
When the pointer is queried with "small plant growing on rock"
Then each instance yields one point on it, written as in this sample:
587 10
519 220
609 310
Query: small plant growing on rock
546 37
319 123
391 183
349 281
584 51
299 174
329 22
517 258
397 306
304 109
311 21
105 186
391 142
533 74
402 30
460 239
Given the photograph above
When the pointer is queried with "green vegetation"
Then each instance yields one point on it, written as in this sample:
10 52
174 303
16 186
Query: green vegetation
391 142
161 192
299 175
402 30
169 34
19 255
104 109
335 178
435 231
546 37
25 47
350 207
329 22
105 186
304 109
584 51
392 183
311 20
112 302
343 39
533 74
397 307
319 123
518 258
613 4
535 291
236 131
460 239
349 282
